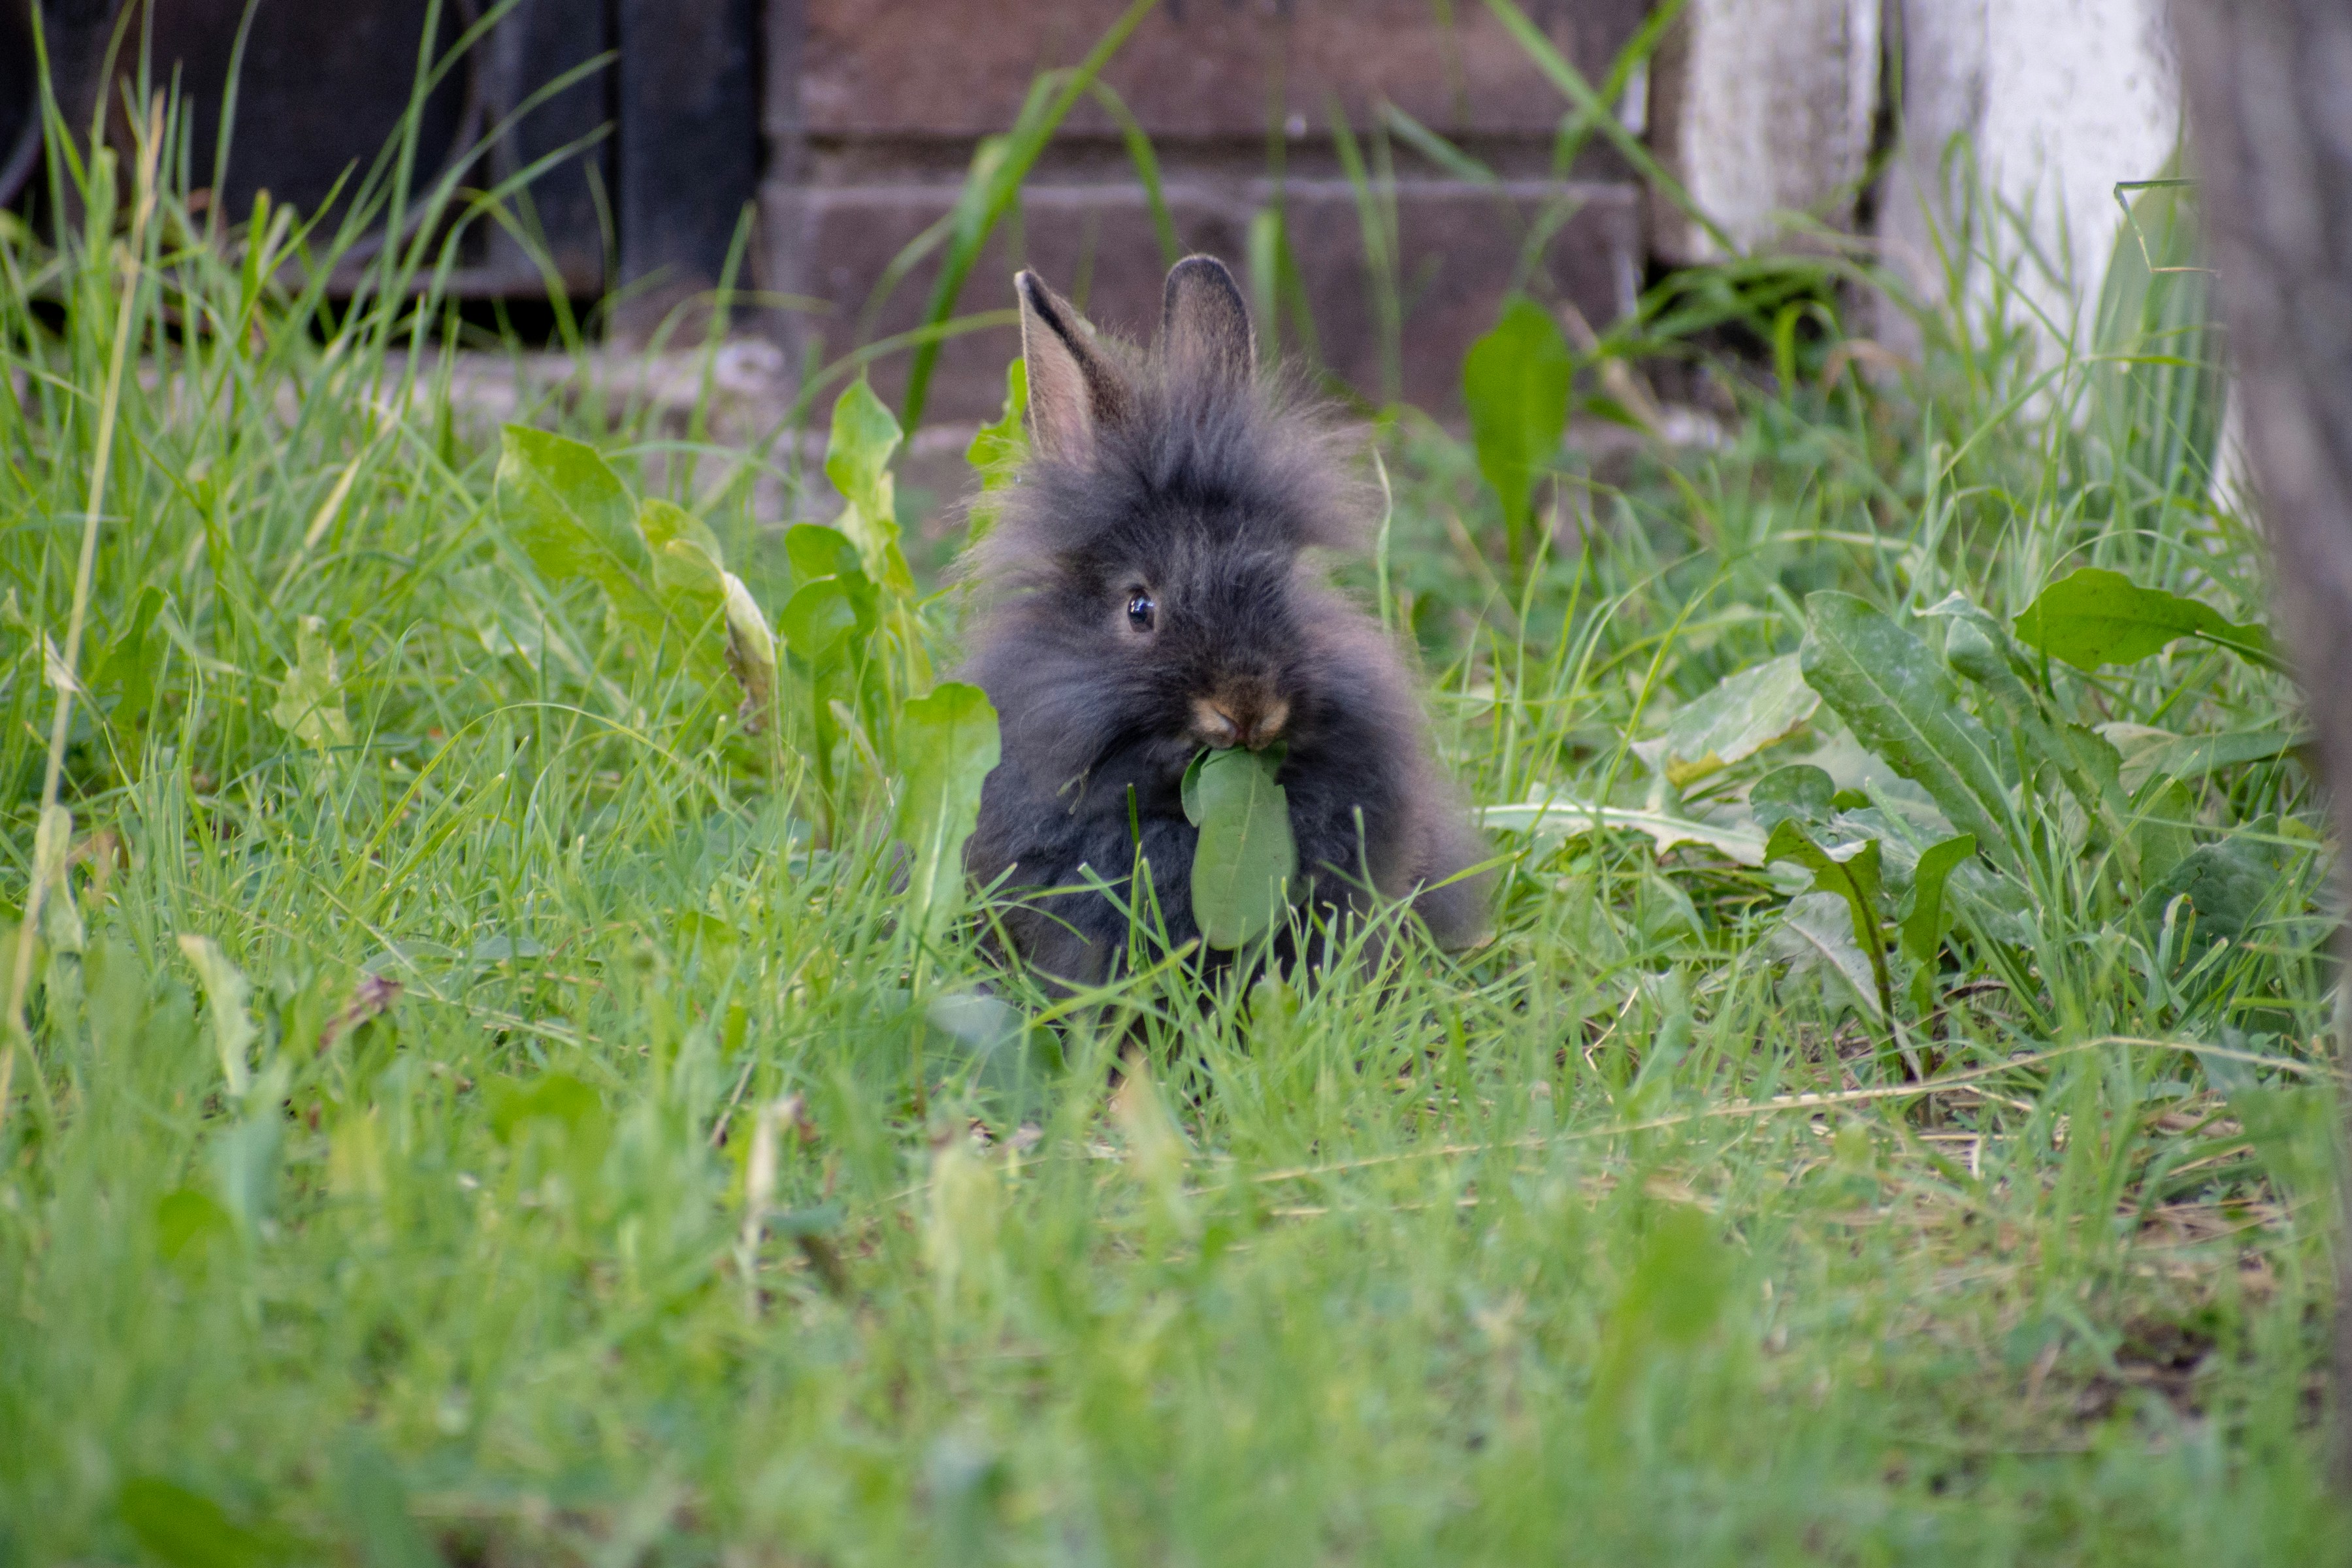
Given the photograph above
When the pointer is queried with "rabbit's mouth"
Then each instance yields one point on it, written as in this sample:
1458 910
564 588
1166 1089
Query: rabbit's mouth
1240 715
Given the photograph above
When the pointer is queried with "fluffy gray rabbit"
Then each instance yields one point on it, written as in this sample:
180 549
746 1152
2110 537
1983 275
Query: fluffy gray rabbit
1148 590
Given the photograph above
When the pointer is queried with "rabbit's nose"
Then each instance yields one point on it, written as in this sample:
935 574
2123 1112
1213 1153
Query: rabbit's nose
1241 720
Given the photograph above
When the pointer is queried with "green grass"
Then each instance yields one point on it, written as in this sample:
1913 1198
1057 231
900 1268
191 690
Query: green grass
593 1187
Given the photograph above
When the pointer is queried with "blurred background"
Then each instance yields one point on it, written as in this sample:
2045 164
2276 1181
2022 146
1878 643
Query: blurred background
1386 172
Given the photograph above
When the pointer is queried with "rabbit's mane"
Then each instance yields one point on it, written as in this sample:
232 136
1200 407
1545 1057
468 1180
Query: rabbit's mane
1190 455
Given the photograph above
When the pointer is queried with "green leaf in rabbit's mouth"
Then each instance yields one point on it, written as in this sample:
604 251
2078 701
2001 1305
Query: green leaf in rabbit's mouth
1246 858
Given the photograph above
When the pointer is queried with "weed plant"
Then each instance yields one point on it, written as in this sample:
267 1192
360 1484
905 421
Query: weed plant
489 1084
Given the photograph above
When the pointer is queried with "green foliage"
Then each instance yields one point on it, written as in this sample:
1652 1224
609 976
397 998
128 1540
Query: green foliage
997 451
1900 704
1514 383
188 1529
1851 875
2092 617
1245 860
948 743
1765 703
567 510
557 1123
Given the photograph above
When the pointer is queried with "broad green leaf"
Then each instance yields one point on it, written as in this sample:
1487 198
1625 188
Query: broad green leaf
948 745
857 462
1816 938
1246 858
1800 792
664 523
188 1529
997 452
816 551
1923 928
1552 818
1004 1053
819 622
1981 649
1746 712
2230 884
310 705
1515 384
189 1225
574 517
554 1116
2094 616
1189 790
1892 693
1851 873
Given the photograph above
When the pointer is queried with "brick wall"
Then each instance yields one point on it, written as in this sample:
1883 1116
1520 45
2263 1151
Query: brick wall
873 109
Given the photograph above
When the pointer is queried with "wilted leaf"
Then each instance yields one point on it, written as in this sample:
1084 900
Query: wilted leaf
2094 616
310 705
1554 818
1892 694
1516 383
1744 714
948 743
697 592
1246 858
750 655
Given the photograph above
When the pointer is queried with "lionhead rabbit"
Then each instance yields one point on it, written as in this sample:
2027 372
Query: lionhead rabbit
1147 592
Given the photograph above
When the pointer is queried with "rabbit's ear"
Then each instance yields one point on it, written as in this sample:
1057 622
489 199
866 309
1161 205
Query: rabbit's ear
1074 387
1204 327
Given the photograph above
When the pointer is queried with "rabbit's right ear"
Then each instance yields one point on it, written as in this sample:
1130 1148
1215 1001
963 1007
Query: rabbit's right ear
1074 387
1204 327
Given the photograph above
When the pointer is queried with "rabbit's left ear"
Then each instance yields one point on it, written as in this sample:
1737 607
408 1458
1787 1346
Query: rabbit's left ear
1204 327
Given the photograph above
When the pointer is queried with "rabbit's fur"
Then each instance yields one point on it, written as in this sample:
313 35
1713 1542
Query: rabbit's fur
1180 477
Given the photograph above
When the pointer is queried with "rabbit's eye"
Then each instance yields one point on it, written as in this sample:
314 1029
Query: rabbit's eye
1141 610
